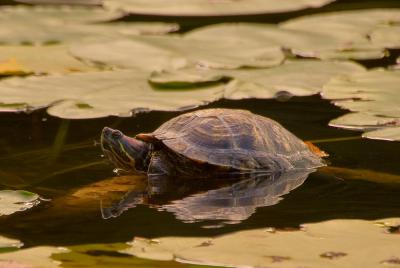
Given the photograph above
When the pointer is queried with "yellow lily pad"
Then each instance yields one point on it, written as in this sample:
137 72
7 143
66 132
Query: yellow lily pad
213 8
373 96
54 24
14 201
99 94
36 257
335 243
15 60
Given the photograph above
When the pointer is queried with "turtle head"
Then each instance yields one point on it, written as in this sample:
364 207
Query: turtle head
126 153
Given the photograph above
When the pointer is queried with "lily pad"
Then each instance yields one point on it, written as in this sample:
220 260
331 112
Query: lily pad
386 36
301 42
211 8
8 243
62 2
37 257
291 78
49 24
107 255
390 134
14 201
374 95
172 52
356 28
335 243
99 94
39 59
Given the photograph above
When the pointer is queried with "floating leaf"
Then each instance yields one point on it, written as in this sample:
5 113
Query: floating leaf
293 77
39 59
390 134
107 255
37 257
11 67
49 24
363 121
13 201
62 2
210 8
386 36
9 243
172 52
356 28
374 95
358 243
144 53
324 45
99 94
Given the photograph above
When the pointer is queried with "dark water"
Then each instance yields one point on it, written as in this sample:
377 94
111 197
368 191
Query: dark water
54 157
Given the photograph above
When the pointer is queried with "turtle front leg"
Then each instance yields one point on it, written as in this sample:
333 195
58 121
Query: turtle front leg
160 168
159 165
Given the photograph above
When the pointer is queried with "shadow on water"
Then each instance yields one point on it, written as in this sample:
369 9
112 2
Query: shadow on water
362 183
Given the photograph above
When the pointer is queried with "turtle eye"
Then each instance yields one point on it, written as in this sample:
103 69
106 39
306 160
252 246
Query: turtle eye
116 134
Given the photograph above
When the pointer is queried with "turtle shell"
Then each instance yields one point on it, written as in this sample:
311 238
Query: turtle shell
235 139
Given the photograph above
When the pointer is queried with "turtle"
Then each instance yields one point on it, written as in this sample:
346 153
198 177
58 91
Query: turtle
210 142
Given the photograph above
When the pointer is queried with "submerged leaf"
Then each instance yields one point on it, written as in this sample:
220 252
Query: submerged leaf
210 8
99 94
353 240
13 201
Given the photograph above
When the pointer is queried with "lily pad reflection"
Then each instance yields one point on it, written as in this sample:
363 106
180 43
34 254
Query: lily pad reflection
233 203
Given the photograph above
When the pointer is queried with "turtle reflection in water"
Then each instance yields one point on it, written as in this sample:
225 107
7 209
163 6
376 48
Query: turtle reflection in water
230 204
207 143
210 144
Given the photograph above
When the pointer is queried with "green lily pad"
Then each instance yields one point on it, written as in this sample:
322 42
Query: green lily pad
14 201
37 257
8 243
363 121
62 2
335 243
213 8
99 94
389 134
373 95
39 59
386 36
356 28
172 52
49 24
107 255
291 78
301 42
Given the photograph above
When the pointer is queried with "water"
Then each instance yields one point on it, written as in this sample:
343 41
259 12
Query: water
61 161
55 158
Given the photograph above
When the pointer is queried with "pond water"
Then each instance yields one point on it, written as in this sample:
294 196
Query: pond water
61 161
54 157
